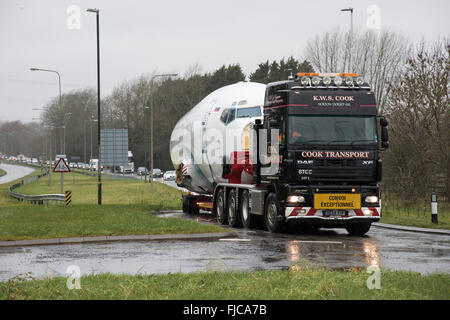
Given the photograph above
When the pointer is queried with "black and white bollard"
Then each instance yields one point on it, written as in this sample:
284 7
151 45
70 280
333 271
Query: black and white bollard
434 211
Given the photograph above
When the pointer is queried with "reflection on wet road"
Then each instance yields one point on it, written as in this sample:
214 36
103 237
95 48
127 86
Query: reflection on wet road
253 249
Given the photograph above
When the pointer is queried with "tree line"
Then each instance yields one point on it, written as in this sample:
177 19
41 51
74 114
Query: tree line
410 82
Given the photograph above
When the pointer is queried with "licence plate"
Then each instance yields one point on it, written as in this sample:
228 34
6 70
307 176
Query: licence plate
334 213
330 201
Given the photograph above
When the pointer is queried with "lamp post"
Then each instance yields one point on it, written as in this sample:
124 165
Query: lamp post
59 83
351 17
151 123
96 11
145 143
92 120
66 116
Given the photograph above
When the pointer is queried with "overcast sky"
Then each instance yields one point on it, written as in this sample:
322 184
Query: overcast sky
140 36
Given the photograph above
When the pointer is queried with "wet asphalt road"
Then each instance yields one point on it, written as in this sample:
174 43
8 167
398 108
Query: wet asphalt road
252 250
14 172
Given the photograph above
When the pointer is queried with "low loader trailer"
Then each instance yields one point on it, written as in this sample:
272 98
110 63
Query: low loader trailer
315 160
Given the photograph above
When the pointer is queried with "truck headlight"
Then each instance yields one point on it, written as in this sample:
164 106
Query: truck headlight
337 81
296 199
371 199
315 81
305 81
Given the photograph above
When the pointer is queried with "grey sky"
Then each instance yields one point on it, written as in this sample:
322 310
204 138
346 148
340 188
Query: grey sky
168 36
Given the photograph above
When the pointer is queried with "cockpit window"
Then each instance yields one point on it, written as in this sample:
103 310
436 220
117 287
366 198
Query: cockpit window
231 115
228 115
224 115
248 112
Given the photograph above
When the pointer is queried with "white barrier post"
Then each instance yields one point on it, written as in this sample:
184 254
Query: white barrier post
434 210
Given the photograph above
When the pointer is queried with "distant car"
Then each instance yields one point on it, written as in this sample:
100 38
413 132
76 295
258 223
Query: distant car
157 173
80 165
72 165
169 176
142 171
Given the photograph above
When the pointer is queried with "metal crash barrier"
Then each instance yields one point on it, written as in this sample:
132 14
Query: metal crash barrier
43 199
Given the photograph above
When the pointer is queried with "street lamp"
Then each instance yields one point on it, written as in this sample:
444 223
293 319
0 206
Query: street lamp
351 17
151 123
59 82
96 11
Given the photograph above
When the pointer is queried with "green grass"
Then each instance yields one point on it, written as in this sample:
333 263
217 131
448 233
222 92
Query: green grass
417 216
300 283
125 210
2 172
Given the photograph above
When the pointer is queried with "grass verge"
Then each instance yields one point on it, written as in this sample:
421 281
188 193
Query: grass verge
417 216
2 172
125 210
303 283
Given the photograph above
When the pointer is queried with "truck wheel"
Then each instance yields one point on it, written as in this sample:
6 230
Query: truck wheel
233 217
188 205
220 210
248 221
185 204
271 217
358 229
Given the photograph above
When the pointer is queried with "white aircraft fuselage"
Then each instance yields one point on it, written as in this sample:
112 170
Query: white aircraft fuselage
207 135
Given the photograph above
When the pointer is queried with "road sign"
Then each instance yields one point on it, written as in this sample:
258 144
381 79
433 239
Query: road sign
61 166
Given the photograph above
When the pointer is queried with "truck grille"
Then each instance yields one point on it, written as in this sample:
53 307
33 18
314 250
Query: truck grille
335 163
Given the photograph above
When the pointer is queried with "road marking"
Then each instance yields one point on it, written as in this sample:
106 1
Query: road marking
235 239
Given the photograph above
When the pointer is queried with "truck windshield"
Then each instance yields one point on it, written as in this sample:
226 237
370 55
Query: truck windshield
327 129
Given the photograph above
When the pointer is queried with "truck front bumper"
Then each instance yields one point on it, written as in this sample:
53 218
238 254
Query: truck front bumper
312 215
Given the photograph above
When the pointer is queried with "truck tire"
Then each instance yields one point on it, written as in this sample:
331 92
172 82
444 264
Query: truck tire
185 204
233 210
247 220
220 208
358 229
188 205
271 217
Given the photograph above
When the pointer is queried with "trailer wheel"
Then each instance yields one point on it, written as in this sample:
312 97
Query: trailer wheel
233 217
188 205
248 221
220 210
358 229
185 204
271 217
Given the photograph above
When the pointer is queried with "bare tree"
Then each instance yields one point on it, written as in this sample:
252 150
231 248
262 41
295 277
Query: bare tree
419 111
378 56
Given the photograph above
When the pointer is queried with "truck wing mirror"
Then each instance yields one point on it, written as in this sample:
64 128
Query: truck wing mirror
384 134
383 122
